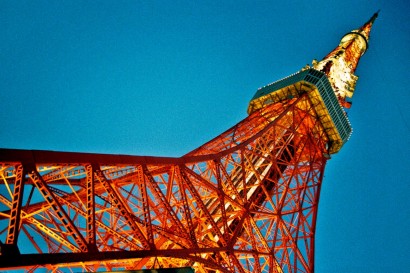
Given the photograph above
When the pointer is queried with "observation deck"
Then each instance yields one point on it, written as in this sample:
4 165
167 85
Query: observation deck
315 84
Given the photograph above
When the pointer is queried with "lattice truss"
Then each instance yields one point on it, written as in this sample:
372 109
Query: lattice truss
244 202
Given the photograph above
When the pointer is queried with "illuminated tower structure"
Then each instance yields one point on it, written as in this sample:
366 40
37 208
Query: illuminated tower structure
246 201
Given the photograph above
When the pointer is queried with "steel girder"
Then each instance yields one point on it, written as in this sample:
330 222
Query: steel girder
246 201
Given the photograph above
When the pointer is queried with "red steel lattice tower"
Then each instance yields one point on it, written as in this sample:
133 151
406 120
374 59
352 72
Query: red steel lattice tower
246 201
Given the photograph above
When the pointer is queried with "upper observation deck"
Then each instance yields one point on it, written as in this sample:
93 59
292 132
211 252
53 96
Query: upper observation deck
316 85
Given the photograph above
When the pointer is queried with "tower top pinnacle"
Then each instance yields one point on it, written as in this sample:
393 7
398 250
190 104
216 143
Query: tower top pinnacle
341 63
326 85
365 29
371 21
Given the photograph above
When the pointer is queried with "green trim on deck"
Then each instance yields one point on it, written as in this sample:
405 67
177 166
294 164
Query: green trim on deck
320 92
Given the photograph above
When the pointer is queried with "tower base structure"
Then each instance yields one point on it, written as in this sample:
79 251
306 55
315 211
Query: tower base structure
244 202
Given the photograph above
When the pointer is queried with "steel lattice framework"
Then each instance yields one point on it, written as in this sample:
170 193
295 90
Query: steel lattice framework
244 202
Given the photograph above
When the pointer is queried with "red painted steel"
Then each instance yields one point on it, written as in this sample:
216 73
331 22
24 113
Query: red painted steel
246 201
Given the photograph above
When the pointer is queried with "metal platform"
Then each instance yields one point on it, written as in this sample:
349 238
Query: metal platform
322 96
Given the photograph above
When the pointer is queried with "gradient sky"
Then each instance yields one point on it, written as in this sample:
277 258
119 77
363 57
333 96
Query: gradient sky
163 77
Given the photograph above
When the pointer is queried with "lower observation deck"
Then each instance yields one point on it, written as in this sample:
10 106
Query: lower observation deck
326 105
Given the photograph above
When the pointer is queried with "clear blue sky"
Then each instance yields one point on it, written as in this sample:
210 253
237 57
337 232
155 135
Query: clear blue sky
163 77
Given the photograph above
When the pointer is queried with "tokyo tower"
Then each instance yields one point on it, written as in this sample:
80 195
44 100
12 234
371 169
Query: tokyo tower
246 201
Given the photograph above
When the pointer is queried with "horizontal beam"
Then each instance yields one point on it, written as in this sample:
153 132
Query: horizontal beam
11 156
75 158
28 260
53 157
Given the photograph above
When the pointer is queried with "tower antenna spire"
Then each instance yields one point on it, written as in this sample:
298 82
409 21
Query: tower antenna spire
341 63
374 17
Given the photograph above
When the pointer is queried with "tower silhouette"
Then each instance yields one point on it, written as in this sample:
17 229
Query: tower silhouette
245 201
